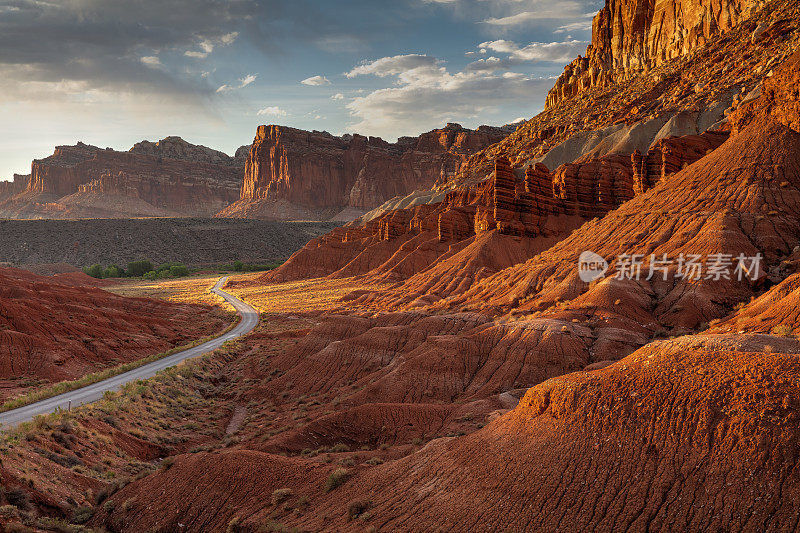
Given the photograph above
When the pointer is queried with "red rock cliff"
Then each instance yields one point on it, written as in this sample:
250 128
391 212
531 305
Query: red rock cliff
319 171
632 36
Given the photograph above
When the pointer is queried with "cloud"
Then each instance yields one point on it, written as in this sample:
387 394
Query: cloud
316 81
337 96
207 45
559 52
583 25
247 80
273 111
243 82
524 13
115 47
427 95
152 61
391 66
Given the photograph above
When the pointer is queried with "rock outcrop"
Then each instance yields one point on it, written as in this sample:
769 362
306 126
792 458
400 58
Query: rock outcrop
321 174
632 36
168 178
670 155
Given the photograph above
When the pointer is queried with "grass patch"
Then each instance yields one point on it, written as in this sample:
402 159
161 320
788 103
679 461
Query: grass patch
281 495
336 479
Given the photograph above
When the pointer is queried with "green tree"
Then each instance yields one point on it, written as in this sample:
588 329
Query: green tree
139 268
150 275
114 271
238 266
178 271
96 271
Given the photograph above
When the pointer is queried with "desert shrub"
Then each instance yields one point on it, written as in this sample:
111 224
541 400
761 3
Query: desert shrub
82 514
137 269
276 527
302 503
357 508
280 495
234 525
152 275
340 448
14 527
9 511
239 266
96 271
336 479
783 330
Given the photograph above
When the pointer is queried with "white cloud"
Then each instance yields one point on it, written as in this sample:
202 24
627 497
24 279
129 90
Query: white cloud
426 95
243 82
519 120
151 61
316 81
337 96
273 111
560 52
207 45
521 13
584 25
392 66
247 80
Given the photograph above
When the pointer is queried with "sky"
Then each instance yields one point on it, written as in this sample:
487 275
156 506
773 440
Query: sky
114 72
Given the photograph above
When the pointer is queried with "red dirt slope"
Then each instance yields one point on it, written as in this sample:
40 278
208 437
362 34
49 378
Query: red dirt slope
56 330
694 433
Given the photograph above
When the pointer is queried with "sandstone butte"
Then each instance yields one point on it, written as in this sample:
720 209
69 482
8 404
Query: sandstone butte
490 387
167 178
315 175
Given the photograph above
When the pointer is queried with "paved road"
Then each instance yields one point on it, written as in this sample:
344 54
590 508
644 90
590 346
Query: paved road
94 392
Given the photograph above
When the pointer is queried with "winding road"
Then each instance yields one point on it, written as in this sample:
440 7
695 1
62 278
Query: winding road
94 392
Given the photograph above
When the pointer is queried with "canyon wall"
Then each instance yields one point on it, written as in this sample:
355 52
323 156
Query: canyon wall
320 173
633 36
532 202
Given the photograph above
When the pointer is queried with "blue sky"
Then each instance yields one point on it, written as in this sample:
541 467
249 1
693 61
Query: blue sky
113 72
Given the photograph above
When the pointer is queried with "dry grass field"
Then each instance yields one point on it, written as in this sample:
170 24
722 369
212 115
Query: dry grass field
313 295
194 289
